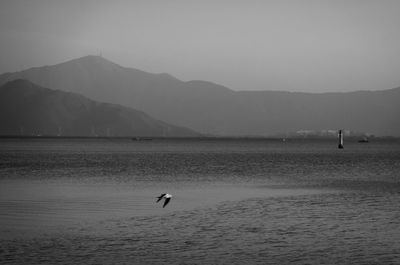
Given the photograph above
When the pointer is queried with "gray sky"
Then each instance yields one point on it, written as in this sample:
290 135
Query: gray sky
299 45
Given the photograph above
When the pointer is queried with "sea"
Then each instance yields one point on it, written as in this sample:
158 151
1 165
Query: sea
235 201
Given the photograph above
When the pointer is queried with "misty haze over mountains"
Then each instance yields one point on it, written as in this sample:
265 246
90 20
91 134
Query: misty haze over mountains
209 108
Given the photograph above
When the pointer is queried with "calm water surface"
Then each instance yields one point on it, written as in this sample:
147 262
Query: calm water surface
235 202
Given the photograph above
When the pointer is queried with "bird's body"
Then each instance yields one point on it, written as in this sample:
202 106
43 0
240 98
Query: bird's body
167 197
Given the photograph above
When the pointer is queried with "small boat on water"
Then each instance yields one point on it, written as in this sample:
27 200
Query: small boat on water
363 140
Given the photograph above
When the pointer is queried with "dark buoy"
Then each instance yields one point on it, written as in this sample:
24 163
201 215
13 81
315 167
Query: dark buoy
340 145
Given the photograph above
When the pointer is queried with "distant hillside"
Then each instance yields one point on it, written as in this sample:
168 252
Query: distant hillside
28 109
375 112
210 108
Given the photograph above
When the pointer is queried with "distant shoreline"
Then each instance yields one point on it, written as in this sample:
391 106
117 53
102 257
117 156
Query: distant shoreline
205 138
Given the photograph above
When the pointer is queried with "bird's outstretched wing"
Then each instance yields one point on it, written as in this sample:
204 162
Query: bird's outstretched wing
166 201
160 197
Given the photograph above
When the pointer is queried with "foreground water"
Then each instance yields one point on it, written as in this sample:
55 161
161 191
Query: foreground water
235 201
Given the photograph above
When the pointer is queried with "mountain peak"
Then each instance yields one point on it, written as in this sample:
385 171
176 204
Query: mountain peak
92 60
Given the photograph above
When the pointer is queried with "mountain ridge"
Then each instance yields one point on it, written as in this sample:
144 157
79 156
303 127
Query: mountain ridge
214 109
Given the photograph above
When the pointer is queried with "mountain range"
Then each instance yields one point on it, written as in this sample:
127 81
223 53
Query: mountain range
29 109
210 108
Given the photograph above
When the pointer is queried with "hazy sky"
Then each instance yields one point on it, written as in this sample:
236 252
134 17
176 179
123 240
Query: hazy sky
299 45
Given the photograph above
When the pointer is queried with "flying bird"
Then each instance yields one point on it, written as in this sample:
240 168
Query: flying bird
167 197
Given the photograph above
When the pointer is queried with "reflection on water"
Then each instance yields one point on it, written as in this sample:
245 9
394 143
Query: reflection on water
244 201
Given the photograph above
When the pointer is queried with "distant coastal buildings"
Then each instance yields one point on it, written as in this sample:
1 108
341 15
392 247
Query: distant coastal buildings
325 133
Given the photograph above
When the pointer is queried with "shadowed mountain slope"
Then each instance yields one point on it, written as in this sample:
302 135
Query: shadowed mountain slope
28 109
